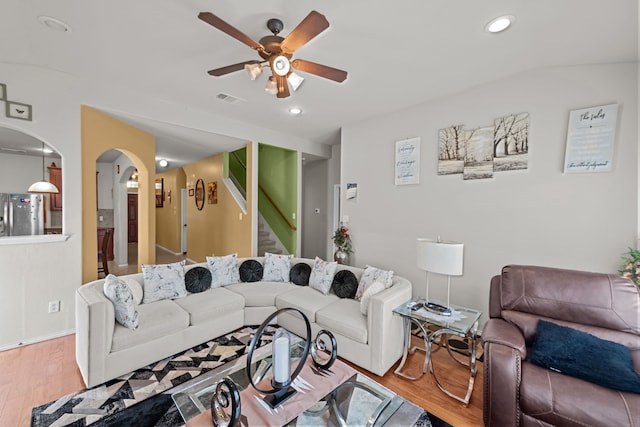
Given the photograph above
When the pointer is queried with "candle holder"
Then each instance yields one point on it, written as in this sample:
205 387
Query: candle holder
225 396
281 360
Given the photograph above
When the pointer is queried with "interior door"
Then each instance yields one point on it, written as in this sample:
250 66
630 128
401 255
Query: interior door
132 218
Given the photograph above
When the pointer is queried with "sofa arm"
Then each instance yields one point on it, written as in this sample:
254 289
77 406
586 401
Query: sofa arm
385 328
504 350
498 331
95 323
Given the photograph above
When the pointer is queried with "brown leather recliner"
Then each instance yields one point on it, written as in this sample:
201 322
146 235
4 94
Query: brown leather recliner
520 393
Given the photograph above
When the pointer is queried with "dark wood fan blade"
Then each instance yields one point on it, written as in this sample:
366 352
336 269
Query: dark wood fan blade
223 26
319 70
312 25
230 68
283 86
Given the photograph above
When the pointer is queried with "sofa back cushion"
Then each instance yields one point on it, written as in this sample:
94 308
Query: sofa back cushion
597 299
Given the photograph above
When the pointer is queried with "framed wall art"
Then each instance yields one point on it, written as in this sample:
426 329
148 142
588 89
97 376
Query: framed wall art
212 193
159 192
407 169
199 194
3 92
17 110
590 138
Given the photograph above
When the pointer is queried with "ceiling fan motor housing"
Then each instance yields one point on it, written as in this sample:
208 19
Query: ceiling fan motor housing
275 26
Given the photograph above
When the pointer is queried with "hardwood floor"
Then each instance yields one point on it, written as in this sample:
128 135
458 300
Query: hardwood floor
39 373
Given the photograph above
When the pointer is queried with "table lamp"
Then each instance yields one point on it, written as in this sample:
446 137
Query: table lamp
440 257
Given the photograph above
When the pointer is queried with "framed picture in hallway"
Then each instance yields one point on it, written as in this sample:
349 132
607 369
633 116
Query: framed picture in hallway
212 193
199 194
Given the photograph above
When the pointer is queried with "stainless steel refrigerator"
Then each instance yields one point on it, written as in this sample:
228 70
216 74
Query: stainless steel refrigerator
21 214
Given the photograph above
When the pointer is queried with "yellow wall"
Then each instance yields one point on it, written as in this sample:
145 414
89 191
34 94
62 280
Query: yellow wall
217 229
99 133
168 223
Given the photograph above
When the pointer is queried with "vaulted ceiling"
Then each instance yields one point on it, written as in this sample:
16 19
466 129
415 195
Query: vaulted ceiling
397 54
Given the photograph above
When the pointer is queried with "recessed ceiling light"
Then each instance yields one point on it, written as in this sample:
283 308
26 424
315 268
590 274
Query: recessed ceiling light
500 24
295 110
54 24
163 163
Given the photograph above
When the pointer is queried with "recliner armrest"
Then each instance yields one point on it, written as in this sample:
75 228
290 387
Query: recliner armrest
504 350
501 332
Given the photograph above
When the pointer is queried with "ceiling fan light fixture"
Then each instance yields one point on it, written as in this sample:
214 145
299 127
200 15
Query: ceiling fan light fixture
271 88
281 65
295 80
254 70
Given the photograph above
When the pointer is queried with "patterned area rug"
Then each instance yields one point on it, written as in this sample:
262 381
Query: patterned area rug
143 398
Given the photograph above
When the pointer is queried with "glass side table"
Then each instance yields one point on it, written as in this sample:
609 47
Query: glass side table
463 322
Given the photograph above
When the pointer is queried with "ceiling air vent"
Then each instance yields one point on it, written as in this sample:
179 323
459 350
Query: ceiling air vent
228 98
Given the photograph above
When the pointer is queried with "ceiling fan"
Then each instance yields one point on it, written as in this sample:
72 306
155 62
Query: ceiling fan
276 53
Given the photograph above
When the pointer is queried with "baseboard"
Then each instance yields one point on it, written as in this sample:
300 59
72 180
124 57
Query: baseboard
168 250
39 339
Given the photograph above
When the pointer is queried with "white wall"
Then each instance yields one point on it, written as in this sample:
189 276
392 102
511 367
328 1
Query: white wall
105 185
534 216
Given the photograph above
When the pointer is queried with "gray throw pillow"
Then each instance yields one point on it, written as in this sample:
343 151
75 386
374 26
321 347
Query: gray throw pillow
250 271
299 274
276 267
163 281
322 275
345 284
198 279
120 295
224 270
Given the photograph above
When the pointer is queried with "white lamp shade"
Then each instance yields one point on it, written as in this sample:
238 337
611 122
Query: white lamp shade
43 187
442 257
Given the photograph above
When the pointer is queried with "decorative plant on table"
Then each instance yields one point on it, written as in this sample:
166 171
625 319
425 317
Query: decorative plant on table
342 240
631 266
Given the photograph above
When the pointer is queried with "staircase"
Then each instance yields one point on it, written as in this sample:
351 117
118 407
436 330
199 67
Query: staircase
267 242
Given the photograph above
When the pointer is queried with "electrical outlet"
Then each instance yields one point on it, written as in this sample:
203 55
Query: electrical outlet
54 306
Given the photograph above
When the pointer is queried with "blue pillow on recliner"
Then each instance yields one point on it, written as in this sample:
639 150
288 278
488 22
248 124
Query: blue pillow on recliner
582 355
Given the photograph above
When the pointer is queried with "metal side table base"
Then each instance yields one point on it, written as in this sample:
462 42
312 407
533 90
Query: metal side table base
467 327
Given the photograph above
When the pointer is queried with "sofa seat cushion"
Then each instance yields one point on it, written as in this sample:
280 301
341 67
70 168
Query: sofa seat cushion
343 317
305 299
157 320
260 294
211 304
559 399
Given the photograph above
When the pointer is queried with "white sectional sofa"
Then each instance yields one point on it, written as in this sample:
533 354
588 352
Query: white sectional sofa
105 349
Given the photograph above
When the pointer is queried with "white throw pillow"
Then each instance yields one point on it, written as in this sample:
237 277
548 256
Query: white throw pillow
276 267
119 293
372 274
135 286
321 276
371 290
163 281
224 270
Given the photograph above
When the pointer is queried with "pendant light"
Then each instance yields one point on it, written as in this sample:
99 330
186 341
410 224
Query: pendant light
43 186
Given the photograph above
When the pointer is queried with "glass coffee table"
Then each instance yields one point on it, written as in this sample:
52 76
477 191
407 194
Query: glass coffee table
463 322
355 400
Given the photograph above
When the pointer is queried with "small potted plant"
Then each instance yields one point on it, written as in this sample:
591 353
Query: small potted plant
342 240
631 266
